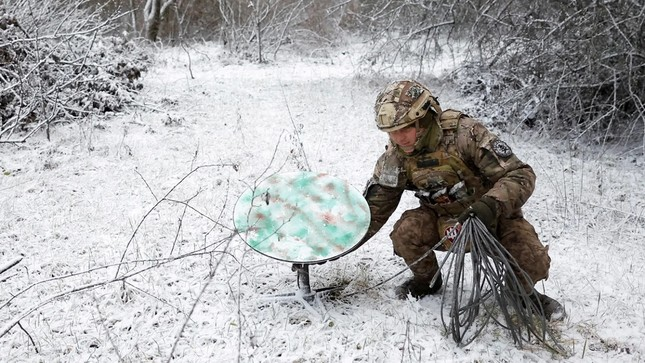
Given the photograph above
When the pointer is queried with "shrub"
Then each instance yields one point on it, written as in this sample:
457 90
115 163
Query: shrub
574 69
57 65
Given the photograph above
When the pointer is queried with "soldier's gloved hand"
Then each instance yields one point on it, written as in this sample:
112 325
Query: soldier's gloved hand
485 209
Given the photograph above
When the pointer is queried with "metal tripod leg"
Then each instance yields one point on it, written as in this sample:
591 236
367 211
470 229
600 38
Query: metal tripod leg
302 271
309 298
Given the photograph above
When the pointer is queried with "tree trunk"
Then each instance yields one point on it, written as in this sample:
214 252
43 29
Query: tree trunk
152 19
133 17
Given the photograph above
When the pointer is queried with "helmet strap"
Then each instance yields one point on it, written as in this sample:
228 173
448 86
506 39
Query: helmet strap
430 137
417 126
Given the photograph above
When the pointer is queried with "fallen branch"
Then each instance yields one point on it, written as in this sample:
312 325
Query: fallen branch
90 286
11 264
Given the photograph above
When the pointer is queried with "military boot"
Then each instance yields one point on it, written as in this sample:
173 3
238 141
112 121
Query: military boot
549 307
418 288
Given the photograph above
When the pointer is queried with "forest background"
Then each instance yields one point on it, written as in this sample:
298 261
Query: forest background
572 69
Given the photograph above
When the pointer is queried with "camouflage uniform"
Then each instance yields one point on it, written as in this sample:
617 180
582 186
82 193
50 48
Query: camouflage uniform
462 162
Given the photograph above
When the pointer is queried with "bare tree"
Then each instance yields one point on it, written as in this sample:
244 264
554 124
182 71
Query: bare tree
154 13
257 28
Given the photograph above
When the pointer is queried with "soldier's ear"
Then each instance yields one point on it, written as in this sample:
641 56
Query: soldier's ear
427 120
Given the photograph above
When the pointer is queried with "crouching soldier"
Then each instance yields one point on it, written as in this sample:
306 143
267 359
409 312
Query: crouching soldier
456 168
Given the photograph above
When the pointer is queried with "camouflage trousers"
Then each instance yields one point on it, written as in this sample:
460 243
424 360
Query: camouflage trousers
417 231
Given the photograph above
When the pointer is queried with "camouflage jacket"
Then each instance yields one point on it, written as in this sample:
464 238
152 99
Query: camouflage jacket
468 162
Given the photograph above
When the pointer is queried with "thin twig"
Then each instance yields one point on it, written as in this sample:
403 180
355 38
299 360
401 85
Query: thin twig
190 64
195 303
156 262
181 219
300 145
154 207
107 331
146 183
29 336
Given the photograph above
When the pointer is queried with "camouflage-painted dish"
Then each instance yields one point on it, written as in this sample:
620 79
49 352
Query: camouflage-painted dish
302 217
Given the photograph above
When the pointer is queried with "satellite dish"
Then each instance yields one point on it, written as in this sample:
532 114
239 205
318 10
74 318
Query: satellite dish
302 217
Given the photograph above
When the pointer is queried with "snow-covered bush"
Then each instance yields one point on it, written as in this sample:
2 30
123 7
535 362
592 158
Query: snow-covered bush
58 65
574 70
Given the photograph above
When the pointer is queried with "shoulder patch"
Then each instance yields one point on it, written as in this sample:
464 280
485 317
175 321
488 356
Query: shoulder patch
501 149
388 169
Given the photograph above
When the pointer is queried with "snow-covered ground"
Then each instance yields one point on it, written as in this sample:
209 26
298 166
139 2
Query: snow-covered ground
128 251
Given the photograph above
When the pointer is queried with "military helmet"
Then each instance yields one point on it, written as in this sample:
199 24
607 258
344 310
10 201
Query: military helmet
402 103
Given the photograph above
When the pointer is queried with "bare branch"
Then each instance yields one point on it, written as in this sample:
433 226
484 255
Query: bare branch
10 264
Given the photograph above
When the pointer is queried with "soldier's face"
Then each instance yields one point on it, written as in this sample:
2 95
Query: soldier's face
405 138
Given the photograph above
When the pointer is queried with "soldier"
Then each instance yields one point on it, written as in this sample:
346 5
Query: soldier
456 168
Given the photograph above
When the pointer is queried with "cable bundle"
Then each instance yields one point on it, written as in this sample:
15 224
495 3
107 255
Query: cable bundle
494 290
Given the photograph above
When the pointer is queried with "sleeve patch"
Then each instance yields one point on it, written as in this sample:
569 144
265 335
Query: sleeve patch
389 177
501 149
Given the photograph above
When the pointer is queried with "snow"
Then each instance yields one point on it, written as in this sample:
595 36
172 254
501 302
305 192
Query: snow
114 197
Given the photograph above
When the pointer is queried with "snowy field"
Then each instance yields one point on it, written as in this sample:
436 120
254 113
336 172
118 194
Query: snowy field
123 230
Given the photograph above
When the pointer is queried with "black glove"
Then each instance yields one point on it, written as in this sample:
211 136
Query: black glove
485 209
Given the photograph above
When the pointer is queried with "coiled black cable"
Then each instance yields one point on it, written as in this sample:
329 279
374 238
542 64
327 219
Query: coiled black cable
495 292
